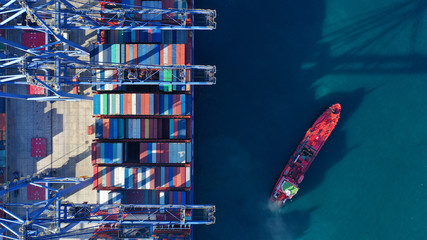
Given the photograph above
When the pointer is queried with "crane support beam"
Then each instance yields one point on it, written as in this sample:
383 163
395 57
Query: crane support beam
41 222
103 15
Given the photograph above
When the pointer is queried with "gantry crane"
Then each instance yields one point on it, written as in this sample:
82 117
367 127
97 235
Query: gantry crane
57 15
53 69
54 218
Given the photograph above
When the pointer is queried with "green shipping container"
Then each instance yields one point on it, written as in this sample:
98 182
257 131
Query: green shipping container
104 104
113 103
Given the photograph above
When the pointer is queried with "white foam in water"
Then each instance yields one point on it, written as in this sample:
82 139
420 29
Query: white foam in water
275 223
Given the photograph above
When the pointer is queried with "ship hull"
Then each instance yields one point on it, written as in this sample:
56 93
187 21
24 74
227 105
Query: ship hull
314 139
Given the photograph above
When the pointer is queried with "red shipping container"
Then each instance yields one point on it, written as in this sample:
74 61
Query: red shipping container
182 171
129 103
175 128
127 53
125 110
90 130
35 90
142 105
135 177
175 177
95 177
135 54
181 54
38 147
125 104
36 193
33 39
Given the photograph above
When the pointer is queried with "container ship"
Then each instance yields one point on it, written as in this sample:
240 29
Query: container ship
293 174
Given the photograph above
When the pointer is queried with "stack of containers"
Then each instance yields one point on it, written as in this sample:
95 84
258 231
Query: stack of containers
142 153
142 128
171 54
148 178
146 54
143 143
142 104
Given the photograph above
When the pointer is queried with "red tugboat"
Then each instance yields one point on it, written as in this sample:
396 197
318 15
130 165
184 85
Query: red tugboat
293 174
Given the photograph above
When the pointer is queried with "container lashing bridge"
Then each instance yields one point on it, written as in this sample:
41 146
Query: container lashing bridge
54 218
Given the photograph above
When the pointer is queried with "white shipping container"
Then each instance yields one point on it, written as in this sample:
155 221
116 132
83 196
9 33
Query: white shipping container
147 178
117 96
140 177
162 197
134 104
103 197
181 153
187 177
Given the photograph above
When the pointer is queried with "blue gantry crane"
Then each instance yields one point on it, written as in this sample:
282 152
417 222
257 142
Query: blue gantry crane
55 63
54 218
53 69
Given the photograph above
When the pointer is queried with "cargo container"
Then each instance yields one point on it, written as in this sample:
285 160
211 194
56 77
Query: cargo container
143 150
147 54
142 104
142 128
141 153
154 178
111 197
157 197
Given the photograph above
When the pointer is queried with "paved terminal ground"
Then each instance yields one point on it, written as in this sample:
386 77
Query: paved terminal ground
63 124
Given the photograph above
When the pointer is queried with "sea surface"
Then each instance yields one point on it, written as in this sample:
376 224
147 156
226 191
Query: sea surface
280 64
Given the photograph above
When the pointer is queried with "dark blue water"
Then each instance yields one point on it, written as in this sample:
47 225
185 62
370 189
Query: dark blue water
280 65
